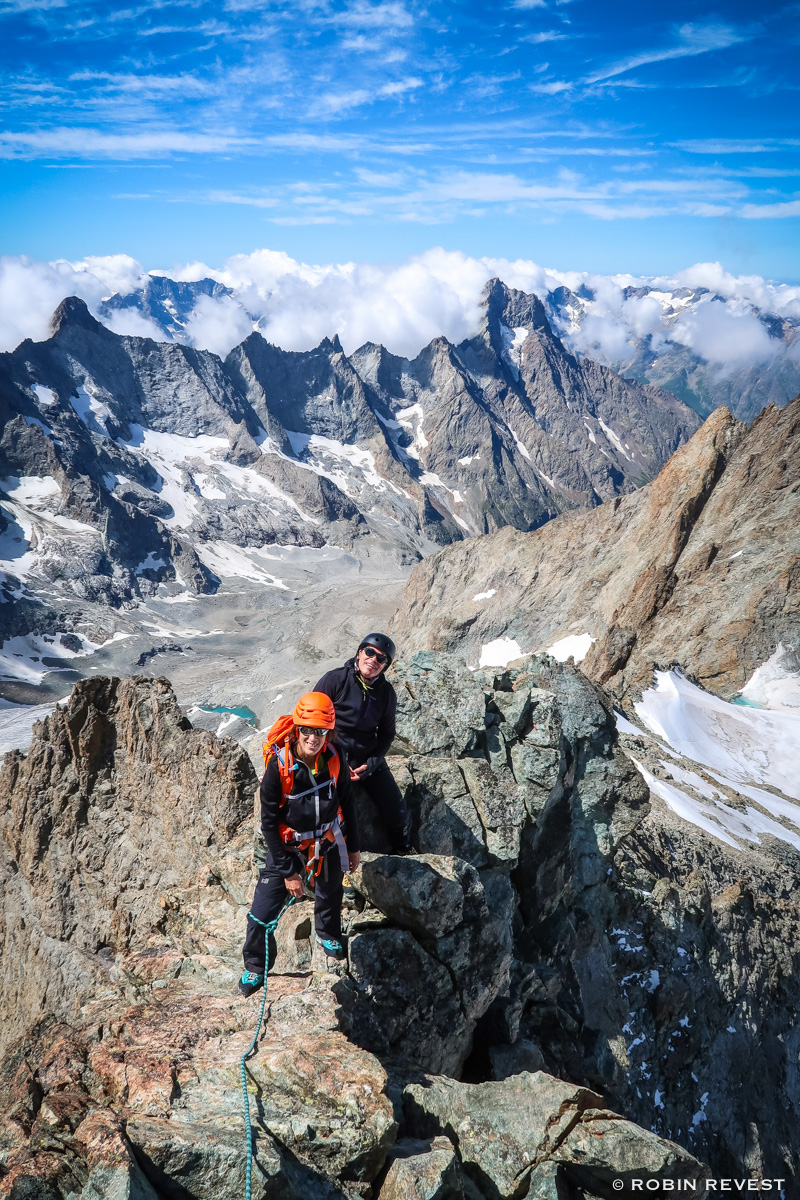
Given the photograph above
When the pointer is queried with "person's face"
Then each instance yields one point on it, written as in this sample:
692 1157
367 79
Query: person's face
371 662
311 741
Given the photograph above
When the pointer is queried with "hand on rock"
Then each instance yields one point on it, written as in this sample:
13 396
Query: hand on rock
353 860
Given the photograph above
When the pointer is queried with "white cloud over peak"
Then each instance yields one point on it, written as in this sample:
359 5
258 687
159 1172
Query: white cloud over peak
404 305
218 324
30 291
725 337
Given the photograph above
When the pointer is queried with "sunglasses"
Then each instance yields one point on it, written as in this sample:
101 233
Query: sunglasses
309 731
370 653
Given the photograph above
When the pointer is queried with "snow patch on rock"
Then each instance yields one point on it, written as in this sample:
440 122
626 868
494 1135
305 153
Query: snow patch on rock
500 652
576 646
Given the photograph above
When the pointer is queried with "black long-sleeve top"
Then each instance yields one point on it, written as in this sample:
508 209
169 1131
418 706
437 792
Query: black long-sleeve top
300 814
365 716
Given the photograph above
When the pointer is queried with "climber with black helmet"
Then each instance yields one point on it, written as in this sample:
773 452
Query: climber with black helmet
309 825
365 704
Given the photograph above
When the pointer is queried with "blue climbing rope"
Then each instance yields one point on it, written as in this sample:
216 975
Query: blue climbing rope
268 929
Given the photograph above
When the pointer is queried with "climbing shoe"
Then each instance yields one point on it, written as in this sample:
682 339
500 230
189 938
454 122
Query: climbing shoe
250 982
332 947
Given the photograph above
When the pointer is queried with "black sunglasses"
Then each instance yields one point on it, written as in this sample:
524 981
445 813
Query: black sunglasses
312 731
370 653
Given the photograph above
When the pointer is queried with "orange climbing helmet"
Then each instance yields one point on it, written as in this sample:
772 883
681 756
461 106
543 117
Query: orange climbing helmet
315 710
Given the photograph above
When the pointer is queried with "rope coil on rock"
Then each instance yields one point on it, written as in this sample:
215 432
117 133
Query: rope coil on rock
269 928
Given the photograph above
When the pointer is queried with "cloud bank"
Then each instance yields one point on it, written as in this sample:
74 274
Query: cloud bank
404 305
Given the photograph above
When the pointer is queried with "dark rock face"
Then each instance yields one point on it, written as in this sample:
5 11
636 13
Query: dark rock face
700 565
122 828
649 961
516 1136
443 967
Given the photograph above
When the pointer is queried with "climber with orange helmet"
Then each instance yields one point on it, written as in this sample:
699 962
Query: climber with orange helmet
309 826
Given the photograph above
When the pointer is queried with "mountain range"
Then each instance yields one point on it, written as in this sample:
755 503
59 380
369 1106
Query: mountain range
128 464
710 344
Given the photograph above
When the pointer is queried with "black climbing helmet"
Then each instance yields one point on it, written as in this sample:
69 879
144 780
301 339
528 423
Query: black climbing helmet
382 642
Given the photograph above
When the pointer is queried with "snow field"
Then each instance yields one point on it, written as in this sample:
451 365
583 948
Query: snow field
21 657
740 747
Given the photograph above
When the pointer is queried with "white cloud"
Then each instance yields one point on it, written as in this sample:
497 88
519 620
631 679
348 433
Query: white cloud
547 35
20 6
129 322
404 305
398 86
155 85
115 272
734 145
722 329
336 102
790 208
218 324
724 337
92 143
30 291
692 39
362 15
235 198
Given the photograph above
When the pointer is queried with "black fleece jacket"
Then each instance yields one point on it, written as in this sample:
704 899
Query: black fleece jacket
365 716
300 814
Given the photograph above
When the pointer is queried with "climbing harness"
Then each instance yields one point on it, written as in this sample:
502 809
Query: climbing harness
269 927
328 831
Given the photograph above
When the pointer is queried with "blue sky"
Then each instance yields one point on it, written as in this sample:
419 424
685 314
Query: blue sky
601 137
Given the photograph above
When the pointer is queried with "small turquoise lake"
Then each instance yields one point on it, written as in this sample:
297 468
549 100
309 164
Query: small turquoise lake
245 713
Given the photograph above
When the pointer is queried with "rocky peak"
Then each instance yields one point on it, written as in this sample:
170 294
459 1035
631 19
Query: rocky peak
73 313
381 369
515 308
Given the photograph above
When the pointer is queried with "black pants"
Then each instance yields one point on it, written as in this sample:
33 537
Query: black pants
271 895
392 809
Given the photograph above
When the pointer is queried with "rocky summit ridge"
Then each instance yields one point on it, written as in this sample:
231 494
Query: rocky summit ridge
566 986
699 568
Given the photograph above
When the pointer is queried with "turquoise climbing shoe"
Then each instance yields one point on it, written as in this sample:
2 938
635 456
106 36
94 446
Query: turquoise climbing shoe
332 947
250 982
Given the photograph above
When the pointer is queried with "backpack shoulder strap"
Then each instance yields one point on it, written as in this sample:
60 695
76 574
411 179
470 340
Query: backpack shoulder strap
334 763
